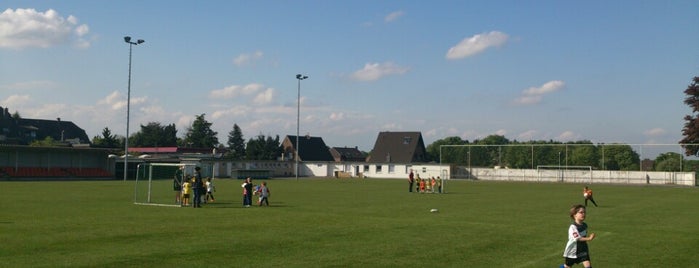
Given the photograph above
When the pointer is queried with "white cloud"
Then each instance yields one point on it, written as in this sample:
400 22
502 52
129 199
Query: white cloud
394 16
15 100
527 135
501 132
247 58
568 136
476 44
655 132
375 71
22 28
234 91
237 111
264 97
337 116
534 95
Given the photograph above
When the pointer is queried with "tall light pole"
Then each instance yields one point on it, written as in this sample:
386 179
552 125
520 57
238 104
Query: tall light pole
127 39
298 116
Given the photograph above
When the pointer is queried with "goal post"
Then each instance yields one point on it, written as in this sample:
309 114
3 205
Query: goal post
554 173
155 183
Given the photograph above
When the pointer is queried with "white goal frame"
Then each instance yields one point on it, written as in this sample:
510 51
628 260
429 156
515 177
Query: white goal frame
564 172
148 167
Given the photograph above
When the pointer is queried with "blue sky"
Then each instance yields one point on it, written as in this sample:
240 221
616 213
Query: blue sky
604 71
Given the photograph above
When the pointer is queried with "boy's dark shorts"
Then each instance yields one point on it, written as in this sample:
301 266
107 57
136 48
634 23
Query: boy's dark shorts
570 262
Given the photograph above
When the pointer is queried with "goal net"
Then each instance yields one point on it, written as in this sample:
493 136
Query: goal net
575 174
155 183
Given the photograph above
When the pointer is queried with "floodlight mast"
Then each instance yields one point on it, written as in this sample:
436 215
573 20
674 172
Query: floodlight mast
298 115
127 39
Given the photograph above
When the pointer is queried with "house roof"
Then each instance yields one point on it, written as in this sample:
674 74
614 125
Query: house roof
347 154
169 150
311 148
57 129
24 130
398 147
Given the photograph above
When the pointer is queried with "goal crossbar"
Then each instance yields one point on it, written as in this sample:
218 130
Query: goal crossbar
147 170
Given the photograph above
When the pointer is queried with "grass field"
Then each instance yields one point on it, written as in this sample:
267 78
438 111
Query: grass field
344 223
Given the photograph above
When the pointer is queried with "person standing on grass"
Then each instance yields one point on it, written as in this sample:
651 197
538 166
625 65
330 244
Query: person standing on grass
263 191
197 187
247 192
411 181
210 189
177 185
418 180
576 250
587 194
186 190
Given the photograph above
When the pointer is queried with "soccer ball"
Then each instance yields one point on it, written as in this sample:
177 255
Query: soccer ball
585 195
434 210
243 185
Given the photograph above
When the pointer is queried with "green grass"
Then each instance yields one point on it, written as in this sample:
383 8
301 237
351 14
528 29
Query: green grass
341 223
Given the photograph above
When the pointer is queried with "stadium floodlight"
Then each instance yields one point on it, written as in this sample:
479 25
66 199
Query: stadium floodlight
127 39
298 116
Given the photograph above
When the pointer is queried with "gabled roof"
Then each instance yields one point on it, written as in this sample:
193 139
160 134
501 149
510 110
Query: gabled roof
311 149
347 154
57 129
169 150
398 147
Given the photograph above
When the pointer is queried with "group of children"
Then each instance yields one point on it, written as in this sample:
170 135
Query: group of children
428 185
185 193
249 189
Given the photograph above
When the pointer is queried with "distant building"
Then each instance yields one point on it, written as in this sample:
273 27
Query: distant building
23 131
311 149
398 147
344 154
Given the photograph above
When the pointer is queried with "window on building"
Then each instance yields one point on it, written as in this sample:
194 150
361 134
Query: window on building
406 140
391 169
378 168
366 168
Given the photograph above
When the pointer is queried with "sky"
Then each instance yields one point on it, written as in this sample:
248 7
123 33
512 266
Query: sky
603 71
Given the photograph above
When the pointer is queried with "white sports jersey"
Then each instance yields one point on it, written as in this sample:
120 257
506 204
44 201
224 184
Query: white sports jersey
210 187
574 248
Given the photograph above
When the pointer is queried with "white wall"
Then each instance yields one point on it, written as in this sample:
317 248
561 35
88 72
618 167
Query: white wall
584 176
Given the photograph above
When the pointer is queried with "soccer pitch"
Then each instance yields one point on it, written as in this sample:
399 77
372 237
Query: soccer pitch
344 223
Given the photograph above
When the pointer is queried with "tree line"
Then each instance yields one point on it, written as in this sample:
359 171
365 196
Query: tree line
494 150
198 135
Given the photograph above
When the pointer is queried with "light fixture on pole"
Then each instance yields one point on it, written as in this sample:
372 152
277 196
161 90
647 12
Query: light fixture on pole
298 116
127 39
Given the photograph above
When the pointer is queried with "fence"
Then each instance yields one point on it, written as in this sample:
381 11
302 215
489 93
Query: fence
576 176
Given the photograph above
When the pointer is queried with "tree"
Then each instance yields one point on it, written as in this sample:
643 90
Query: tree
263 148
200 134
494 153
236 143
46 142
691 126
667 162
454 155
155 135
620 157
583 155
107 140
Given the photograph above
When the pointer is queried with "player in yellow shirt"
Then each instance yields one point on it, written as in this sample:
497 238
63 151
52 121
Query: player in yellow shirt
186 191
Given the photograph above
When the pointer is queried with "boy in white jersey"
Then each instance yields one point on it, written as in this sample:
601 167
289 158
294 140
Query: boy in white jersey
576 250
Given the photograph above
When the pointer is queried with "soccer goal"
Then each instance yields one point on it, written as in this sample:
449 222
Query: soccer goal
155 183
576 174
